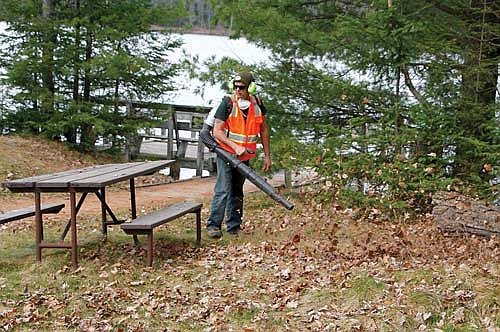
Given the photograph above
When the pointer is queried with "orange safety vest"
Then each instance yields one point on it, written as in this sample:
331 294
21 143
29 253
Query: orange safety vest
243 132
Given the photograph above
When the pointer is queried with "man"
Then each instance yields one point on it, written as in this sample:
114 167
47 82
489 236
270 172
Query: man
239 120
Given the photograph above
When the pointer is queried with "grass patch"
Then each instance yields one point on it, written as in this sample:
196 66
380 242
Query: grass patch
243 316
424 299
361 290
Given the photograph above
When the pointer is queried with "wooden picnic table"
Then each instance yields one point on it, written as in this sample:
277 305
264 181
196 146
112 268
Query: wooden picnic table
93 179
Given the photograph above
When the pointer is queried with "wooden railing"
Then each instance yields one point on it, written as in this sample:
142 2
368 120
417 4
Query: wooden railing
177 145
180 118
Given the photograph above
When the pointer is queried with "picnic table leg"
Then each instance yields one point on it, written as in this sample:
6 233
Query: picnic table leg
198 226
74 247
68 225
107 209
103 212
133 206
38 227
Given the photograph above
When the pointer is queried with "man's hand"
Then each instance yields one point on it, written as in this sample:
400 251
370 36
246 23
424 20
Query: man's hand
266 167
240 150
220 134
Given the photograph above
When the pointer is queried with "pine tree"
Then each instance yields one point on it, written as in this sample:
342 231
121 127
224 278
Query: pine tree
91 51
387 87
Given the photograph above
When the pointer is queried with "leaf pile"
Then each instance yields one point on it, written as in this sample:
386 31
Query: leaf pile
315 269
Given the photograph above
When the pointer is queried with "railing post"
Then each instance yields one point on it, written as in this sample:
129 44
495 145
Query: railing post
288 178
199 157
170 140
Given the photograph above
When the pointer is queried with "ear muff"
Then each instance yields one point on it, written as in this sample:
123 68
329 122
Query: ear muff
252 87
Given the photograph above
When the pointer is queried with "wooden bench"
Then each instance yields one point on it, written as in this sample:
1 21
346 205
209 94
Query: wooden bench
8 216
145 224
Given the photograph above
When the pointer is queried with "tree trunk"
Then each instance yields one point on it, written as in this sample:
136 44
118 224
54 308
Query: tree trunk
70 132
86 138
48 41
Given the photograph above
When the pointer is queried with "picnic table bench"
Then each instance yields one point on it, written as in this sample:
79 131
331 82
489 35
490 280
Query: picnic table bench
8 216
145 224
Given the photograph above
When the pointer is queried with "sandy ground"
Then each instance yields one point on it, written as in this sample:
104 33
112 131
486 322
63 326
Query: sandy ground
118 197
147 196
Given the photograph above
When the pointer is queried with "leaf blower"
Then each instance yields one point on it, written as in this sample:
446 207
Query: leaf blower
247 172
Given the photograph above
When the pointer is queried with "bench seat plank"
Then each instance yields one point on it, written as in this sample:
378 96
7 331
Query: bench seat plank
161 216
12 215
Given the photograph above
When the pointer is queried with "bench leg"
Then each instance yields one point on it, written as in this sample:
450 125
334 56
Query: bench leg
150 249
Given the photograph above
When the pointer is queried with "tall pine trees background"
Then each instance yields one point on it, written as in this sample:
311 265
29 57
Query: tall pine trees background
394 98
63 58
389 100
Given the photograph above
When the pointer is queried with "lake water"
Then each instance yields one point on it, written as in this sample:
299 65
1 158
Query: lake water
203 47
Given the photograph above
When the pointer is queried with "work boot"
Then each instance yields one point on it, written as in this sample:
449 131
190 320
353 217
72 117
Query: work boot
214 233
234 231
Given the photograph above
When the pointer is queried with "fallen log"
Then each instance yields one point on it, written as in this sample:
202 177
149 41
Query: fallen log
455 213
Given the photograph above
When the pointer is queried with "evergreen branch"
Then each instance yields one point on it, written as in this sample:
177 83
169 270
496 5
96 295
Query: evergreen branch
411 86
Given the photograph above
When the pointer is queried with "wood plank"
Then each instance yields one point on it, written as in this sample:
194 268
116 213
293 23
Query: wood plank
189 139
165 137
160 137
66 180
89 177
159 217
134 170
31 181
26 212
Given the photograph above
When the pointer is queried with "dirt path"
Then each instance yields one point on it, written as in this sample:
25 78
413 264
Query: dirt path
196 189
